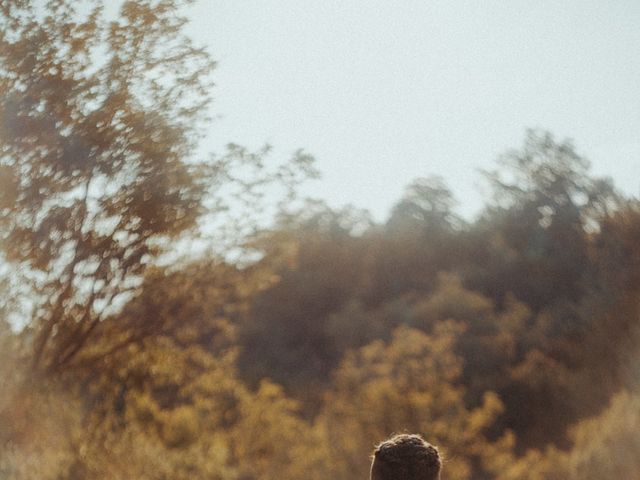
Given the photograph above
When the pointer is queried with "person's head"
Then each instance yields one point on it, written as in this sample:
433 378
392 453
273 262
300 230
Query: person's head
405 457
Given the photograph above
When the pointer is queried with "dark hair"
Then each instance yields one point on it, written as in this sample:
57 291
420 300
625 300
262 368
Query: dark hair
406 457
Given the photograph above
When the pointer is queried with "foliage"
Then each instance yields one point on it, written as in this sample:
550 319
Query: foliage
545 203
96 154
153 327
603 446
410 384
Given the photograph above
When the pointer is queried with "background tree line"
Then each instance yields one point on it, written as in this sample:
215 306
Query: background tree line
154 327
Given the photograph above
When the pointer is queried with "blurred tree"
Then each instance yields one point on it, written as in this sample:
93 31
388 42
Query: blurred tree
616 253
420 238
410 384
99 121
492 341
155 410
605 446
196 303
608 445
99 183
179 412
286 335
38 420
99 124
536 229
427 204
549 464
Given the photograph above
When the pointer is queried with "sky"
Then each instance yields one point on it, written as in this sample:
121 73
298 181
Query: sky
383 92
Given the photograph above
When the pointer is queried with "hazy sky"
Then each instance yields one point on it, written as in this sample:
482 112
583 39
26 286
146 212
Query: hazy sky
382 92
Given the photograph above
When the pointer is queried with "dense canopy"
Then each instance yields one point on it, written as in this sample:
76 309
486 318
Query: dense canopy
157 322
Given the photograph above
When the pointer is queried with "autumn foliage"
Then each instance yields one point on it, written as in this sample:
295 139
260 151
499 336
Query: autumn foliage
155 325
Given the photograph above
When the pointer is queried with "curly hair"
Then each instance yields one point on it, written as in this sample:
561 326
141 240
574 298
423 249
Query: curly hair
406 457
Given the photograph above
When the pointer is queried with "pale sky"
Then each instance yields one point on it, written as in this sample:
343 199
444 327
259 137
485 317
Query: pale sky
382 92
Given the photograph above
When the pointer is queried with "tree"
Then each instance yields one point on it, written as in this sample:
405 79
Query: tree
286 334
161 411
100 120
100 123
544 205
419 239
604 446
409 384
426 205
37 419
